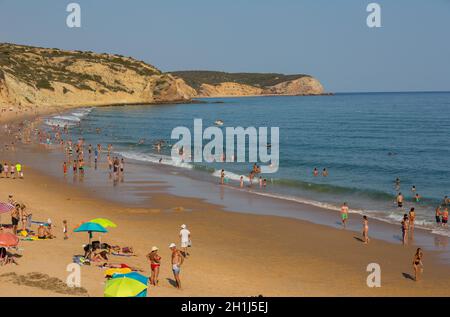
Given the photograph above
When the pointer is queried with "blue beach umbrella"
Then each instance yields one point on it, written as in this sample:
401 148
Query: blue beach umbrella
90 227
135 276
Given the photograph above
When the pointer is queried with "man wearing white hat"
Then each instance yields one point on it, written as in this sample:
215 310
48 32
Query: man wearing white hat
185 236
177 261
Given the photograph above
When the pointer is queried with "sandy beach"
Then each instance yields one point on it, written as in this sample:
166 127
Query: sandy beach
233 254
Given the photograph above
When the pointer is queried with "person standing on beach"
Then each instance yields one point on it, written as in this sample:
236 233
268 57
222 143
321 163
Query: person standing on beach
185 237
405 226
400 200
65 168
344 214
15 217
242 182
177 261
365 230
445 217
417 264
6 169
155 263
412 218
222 176
65 230
19 170
438 215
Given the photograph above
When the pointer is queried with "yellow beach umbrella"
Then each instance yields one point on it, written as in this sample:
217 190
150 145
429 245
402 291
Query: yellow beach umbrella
104 222
110 272
123 287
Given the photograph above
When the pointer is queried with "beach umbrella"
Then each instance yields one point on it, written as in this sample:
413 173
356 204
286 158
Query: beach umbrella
134 275
124 287
5 207
112 271
90 227
8 239
104 222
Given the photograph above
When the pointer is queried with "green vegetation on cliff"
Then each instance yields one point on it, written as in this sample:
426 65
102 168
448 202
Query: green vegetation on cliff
39 67
261 80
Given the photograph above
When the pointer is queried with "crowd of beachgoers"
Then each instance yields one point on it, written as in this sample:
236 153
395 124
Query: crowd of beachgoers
76 152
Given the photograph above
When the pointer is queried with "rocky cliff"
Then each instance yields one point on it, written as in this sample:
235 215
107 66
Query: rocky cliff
42 77
220 84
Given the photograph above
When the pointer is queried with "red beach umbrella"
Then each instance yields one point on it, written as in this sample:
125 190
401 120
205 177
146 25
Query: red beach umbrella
8 240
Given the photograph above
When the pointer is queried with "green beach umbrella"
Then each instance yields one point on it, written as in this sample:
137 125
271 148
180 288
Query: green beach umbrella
90 227
104 222
123 287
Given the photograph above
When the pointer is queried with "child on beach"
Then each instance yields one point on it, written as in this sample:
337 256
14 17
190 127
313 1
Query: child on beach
365 230
65 230
65 168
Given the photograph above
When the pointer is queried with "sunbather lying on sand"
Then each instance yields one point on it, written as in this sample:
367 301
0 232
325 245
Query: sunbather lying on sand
122 250
5 258
120 266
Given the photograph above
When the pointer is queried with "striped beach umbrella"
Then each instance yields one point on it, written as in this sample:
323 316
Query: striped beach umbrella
5 207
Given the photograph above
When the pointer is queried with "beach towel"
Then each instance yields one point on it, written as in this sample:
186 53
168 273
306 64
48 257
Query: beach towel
110 272
81 260
120 254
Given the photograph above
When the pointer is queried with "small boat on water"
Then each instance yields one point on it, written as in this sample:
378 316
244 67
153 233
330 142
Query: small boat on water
218 122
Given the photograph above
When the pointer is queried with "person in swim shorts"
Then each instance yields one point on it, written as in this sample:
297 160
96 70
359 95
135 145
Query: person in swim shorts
177 261
400 200
344 214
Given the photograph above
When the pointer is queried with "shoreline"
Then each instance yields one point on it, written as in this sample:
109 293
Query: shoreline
280 256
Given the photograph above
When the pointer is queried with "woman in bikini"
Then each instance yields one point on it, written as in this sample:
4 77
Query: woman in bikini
405 226
365 232
412 218
417 264
155 263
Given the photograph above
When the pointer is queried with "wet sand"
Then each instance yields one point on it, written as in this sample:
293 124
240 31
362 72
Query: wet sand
233 253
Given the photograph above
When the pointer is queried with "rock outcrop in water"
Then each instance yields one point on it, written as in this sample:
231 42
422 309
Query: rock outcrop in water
220 84
43 77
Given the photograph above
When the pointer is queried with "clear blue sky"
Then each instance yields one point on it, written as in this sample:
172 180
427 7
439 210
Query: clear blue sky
328 39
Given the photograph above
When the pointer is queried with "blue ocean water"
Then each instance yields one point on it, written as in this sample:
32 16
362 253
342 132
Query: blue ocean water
365 141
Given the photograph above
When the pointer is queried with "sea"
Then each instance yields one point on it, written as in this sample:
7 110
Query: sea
364 140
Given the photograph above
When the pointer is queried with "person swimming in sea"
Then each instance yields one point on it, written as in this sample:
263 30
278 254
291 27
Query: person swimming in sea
417 198
437 214
315 171
324 172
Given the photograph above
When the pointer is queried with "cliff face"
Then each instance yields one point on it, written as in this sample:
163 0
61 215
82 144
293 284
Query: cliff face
41 77
219 84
